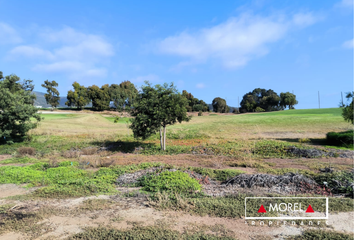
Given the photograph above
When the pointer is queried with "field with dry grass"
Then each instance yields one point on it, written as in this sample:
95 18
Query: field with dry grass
62 182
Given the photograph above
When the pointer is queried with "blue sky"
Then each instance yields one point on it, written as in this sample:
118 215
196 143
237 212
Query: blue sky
209 48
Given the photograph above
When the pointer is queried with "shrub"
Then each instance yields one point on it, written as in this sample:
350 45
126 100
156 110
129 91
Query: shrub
322 234
26 151
340 138
200 113
173 182
259 109
116 119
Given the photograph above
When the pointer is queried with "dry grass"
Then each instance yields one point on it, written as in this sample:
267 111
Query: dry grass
26 151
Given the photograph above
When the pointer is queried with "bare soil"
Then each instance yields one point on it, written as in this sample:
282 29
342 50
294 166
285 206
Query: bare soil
67 218
4 157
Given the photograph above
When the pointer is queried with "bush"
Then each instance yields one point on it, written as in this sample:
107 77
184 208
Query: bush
173 182
259 109
116 120
26 151
200 113
340 138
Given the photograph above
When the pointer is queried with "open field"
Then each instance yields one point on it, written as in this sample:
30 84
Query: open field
82 176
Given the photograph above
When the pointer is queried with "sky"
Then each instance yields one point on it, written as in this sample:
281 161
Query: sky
209 48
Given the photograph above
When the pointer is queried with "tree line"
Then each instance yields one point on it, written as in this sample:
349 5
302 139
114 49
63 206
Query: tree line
153 107
262 100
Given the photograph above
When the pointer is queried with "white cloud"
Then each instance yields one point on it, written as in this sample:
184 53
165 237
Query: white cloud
305 19
68 51
348 44
232 43
345 3
152 78
29 51
200 85
8 34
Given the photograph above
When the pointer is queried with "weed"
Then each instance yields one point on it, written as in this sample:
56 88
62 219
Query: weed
173 182
26 151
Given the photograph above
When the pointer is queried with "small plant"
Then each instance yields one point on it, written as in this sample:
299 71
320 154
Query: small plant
173 182
259 109
200 113
116 119
26 151
304 140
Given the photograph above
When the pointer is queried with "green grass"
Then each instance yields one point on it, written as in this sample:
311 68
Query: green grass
67 180
142 233
121 119
322 235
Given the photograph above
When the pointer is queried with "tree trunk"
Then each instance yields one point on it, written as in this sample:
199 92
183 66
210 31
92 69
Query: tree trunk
164 138
161 143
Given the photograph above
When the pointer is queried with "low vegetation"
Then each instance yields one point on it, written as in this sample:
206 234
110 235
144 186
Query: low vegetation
142 233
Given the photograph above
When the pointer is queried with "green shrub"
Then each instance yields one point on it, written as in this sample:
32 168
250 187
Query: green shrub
322 234
259 109
68 163
200 113
340 138
172 182
143 233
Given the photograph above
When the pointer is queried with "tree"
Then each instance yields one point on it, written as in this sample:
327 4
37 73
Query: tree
194 104
347 111
287 99
123 95
52 95
16 104
77 98
262 98
155 108
99 96
219 105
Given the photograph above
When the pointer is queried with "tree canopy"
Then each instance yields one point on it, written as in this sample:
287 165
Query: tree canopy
287 99
219 105
52 95
123 95
16 104
79 97
194 104
260 100
99 96
155 108
347 111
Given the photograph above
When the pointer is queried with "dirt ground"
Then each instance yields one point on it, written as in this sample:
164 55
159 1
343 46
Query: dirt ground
69 216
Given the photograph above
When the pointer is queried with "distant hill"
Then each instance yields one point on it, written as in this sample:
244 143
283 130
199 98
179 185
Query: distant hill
40 101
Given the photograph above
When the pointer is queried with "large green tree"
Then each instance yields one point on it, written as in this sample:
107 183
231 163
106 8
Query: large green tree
260 99
52 95
219 105
155 108
123 95
287 99
16 108
99 96
347 111
77 98
194 104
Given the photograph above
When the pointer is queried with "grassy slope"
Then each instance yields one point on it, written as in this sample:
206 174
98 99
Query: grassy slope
244 125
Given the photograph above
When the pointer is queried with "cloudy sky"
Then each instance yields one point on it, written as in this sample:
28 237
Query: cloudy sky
209 48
